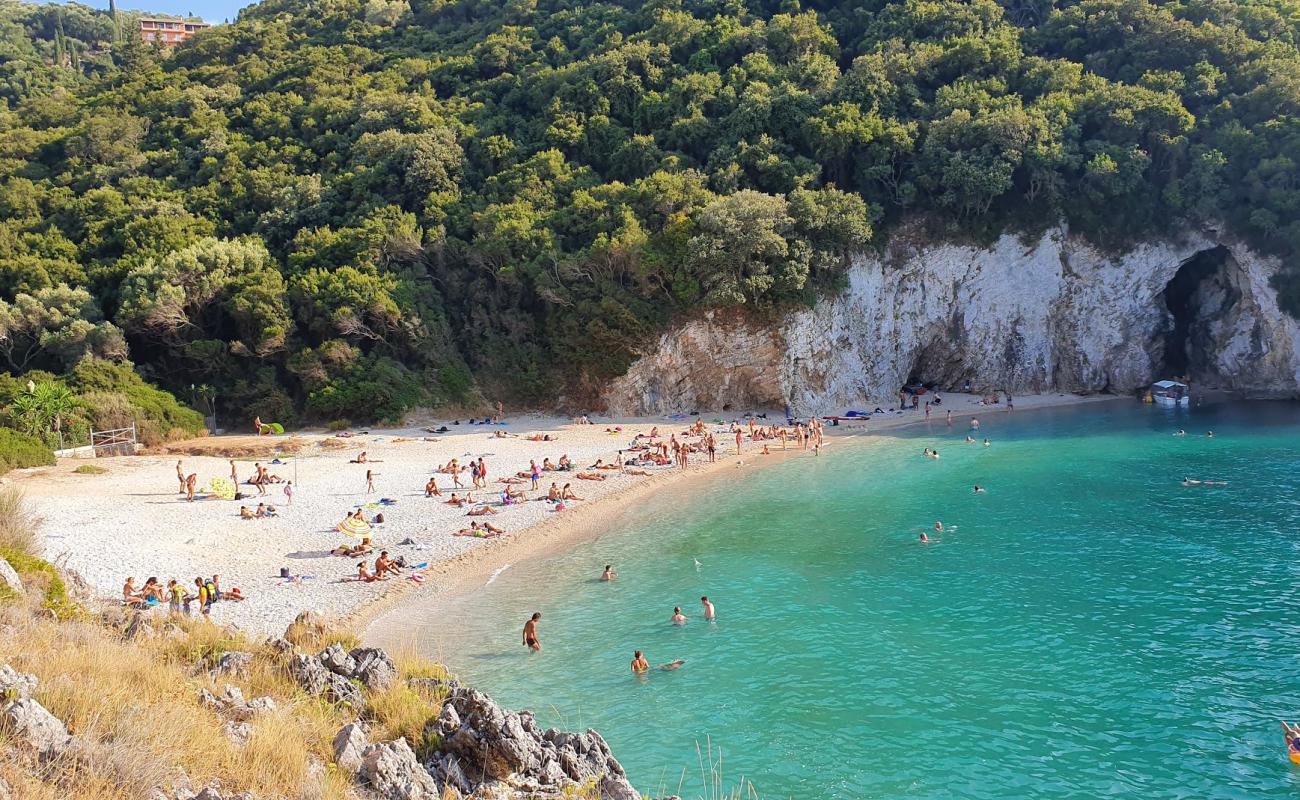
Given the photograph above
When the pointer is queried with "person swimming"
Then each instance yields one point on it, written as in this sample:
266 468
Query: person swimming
1209 434
986 442
678 617
639 664
672 665
979 489
938 526
970 440
924 539
1181 432
710 613
1193 482
609 574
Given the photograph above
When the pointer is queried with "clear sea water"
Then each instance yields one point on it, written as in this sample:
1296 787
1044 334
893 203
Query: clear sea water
1086 628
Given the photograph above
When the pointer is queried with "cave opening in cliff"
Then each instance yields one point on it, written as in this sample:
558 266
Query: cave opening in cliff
1194 296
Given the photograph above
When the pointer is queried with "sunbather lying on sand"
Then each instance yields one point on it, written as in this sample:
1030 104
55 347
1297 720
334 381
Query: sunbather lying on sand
481 511
589 476
353 549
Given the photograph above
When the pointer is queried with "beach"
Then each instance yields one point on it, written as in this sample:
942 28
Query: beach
131 521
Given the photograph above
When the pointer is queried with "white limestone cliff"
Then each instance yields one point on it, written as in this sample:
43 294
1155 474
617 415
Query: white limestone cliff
1055 313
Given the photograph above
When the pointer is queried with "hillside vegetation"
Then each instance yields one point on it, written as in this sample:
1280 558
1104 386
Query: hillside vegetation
339 208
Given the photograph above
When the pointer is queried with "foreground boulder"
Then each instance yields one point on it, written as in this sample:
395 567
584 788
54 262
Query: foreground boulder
507 748
393 772
9 578
316 680
15 685
33 726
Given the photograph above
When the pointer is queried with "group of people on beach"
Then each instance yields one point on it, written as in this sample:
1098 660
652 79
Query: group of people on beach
179 600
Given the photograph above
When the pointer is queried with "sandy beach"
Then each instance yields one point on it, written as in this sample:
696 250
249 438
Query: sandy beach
130 520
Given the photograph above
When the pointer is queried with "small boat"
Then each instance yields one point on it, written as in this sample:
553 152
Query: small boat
1170 393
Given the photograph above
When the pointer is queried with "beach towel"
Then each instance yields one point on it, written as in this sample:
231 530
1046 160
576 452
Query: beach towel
222 488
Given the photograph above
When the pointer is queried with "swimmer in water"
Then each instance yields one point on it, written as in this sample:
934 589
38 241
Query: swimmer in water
986 442
530 633
639 664
1292 734
671 665
924 539
1181 432
938 527
979 490
709 612
970 440
1191 482
609 574
678 617
1209 434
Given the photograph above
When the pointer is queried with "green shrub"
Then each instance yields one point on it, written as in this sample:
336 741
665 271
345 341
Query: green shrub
90 469
372 389
114 396
40 575
338 425
18 450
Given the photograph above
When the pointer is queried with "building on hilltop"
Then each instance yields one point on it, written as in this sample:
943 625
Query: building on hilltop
170 32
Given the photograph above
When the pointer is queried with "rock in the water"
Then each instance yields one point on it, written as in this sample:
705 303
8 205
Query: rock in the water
349 745
235 662
33 726
392 771
335 659
373 668
9 577
15 685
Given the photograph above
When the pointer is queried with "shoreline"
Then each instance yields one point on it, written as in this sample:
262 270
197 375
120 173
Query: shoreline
129 520
469 572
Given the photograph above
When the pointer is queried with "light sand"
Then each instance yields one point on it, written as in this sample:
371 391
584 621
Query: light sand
132 521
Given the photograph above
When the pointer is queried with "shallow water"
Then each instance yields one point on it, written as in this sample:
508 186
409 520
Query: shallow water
1090 628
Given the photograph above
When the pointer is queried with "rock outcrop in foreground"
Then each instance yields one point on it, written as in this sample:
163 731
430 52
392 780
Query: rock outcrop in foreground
468 746
1052 314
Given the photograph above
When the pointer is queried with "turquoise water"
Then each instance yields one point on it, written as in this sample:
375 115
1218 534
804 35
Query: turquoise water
1091 628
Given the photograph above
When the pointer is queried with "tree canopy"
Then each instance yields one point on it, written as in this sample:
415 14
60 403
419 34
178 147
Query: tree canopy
348 207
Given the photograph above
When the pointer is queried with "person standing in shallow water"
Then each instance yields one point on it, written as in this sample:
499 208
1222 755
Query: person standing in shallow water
710 613
530 633
639 664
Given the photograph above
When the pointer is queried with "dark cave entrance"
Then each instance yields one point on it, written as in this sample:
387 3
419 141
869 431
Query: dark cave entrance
1197 295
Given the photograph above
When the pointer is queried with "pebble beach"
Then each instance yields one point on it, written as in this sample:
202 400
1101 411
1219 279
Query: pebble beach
130 520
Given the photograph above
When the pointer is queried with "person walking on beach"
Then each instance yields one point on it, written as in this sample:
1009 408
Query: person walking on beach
180 475
639 664
710 613
190 481
530 632
234 473
535 473
288 493
738 437
370 481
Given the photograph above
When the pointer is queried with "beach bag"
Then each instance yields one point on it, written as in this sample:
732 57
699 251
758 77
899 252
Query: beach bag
211 590
284 572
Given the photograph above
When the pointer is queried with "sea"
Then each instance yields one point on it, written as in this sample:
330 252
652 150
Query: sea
1086 626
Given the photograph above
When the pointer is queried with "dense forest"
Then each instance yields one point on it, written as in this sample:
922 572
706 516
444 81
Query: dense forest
346 208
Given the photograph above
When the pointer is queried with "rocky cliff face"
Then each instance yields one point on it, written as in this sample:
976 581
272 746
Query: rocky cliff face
1050 314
